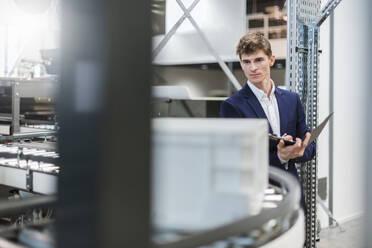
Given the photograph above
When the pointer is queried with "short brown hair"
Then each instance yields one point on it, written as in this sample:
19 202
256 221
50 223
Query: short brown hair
252 42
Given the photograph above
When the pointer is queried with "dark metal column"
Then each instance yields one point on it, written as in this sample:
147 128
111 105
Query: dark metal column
103 109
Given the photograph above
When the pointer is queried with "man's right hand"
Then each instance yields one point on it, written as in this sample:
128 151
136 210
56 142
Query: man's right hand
293 151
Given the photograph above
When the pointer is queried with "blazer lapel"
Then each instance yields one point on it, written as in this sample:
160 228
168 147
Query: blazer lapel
282 110
255 104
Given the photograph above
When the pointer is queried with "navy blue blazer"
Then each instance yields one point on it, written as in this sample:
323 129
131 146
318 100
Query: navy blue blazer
244 104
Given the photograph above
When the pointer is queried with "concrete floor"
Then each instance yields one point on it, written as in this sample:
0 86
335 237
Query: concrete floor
350 238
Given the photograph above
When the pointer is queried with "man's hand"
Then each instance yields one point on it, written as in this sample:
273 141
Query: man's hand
293 151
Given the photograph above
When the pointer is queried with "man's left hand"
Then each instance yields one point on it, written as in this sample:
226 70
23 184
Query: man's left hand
293 151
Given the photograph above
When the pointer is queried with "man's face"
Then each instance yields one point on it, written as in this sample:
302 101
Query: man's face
256 66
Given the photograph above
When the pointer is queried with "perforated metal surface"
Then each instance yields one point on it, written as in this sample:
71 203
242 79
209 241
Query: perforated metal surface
302 75
312 119
307 10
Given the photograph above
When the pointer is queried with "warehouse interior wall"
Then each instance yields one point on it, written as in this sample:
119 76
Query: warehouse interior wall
349 100
350 108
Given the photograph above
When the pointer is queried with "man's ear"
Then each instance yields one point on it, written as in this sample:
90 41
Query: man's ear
272 60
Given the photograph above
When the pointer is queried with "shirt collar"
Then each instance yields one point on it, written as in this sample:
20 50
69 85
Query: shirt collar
260 94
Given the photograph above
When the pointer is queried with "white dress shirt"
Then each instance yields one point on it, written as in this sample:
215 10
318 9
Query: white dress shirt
271 109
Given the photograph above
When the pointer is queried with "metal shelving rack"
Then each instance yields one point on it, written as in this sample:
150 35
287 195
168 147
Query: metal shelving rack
304 20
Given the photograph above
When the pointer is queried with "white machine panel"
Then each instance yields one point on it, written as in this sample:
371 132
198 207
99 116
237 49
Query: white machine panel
208 172
44 183
13 177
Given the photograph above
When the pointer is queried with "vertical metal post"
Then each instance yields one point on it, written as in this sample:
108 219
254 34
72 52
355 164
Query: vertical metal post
229 83
104 139
304 19
302 77
331 110
266 26
366 17
312 119
254 6
6 48
16 105
125 182
291 46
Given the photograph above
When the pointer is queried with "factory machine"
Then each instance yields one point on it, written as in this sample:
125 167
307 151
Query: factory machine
28 159
28 142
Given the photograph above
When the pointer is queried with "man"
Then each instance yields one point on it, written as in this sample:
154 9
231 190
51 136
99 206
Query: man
259 98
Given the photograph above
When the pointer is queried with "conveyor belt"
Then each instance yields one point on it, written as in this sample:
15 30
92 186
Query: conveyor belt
29 169
29 180
24 153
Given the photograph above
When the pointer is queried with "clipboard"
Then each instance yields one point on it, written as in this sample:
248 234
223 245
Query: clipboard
274 140
316 131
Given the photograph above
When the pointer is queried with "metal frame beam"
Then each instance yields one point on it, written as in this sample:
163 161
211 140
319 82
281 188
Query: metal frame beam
325 12
187 15
173 30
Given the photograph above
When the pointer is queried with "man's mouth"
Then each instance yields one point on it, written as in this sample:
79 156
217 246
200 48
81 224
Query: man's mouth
255 75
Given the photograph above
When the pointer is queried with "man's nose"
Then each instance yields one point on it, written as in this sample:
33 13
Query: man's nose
252 67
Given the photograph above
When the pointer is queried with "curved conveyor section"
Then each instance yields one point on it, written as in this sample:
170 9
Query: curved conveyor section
274 226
